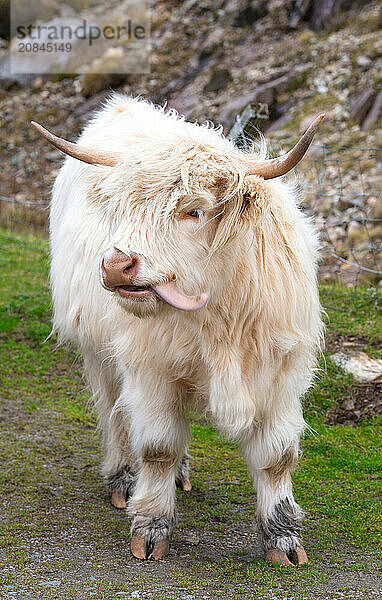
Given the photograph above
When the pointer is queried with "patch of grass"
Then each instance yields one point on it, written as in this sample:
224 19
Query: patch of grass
353 313
331 384
59 533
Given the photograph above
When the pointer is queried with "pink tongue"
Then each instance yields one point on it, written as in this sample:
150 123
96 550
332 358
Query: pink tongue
173 296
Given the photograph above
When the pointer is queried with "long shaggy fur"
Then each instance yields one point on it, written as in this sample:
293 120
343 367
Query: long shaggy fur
122 481
248 356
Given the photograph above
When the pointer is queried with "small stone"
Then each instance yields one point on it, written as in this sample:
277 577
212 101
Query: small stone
51 583
364 61
363 368
353 229
349 404
192 539
37 83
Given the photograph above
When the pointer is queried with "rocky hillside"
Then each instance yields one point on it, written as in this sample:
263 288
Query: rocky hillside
288 59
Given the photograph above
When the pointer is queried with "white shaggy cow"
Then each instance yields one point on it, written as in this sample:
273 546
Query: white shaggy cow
183 270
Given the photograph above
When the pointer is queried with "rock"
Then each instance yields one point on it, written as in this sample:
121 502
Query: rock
219 79
266 94
187 102
299 12
248 56
377 208
322 206
6 80
22 68
5 16
107 71
375 233
361 104
349 404
247 123
355 232
212 44
191 538
374 113
364 61
235 107
25 13
363 368
279 123
322 12
254 11
319 13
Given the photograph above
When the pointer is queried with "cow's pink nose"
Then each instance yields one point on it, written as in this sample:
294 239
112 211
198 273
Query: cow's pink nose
118 268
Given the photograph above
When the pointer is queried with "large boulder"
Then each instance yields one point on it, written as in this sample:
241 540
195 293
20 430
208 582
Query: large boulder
251 13
22 67
319 13
104 72
375 113
27 13
265 93
360 104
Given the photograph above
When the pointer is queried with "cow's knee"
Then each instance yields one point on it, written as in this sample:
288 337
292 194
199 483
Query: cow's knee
158 459
280 466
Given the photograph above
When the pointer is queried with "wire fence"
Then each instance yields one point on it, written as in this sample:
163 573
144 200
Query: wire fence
341 190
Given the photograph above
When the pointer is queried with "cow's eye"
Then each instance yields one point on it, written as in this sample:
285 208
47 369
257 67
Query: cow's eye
195 214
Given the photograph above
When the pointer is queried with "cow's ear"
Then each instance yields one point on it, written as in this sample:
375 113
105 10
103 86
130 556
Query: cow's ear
256 193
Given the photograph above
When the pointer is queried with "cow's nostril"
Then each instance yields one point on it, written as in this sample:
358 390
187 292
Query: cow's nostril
131 265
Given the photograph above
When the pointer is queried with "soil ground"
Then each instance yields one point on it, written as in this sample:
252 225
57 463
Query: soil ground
60 537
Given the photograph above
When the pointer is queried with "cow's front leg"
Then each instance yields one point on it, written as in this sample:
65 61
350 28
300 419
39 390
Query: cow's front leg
159 435
271 455
153 503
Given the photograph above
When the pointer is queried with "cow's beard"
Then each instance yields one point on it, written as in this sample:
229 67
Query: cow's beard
141 308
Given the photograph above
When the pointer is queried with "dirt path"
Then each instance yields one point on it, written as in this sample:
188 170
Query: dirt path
63 540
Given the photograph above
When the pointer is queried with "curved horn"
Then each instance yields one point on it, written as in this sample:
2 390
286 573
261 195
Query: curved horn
92 157
275 167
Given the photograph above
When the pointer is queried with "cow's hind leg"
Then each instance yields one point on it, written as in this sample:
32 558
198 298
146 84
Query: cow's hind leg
271 454
182 479
119 486
117 466
117 469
